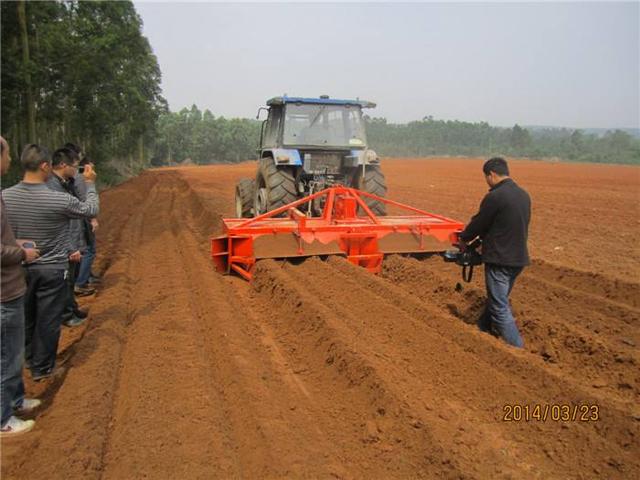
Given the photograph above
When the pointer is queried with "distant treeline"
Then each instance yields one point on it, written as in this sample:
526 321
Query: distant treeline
439 137
203 138
80 72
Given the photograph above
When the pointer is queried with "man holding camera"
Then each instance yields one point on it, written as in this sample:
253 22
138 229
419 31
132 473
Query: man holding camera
502 223
86 281
65 165
42 215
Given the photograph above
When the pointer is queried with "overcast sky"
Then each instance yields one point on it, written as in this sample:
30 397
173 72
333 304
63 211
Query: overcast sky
563 64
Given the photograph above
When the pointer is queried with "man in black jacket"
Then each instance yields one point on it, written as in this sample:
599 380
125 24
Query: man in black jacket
502 223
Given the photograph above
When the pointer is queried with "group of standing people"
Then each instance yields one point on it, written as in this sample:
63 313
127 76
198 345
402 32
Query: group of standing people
48 246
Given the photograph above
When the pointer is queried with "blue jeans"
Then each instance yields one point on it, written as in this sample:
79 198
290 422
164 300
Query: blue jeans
497 318
84 271
12 346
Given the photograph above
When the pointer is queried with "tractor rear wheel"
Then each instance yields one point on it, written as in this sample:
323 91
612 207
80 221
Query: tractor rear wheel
372 181
275 187
245 192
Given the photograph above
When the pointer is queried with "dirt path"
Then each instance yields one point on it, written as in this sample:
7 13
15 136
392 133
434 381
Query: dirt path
321 370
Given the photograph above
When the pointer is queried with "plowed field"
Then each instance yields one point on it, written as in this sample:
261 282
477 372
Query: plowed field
319 369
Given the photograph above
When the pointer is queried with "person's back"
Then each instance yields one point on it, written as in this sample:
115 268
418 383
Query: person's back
502 223
40 214
505 242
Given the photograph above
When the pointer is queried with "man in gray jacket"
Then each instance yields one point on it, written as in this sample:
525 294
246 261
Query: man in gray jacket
65 164
12 292
38 213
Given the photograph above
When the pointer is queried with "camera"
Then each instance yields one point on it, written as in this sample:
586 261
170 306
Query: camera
467 257
81 169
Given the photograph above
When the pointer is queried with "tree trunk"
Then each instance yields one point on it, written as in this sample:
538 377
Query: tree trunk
24 38
141 151
20 135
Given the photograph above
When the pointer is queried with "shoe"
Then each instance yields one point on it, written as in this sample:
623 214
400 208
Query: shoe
15 426
80 313
28 405
54 373
83 291
74 321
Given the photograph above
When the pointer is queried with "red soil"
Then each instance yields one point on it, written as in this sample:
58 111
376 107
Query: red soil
320 369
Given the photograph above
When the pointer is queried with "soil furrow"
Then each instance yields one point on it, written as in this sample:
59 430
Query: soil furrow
591 283
548 325
150 429
373 420
243 352
538 385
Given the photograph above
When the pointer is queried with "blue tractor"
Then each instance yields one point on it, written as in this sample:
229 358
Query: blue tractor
307 145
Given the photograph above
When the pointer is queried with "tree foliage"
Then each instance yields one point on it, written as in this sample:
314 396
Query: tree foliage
82 72
203 138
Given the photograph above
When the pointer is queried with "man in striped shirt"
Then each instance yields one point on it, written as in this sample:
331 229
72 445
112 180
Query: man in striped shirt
42 215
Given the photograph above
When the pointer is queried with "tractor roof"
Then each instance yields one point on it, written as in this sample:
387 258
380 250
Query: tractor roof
323 100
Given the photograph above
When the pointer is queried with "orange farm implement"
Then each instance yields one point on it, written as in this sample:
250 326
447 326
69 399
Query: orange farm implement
346 227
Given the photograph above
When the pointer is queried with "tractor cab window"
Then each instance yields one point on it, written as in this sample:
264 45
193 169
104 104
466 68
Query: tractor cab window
324 125
272 127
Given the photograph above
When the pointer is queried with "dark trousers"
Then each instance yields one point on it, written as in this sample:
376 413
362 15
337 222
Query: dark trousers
71 304
12 345
497 317
45 302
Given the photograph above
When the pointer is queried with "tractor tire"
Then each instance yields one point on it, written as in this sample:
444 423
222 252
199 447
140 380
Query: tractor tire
373 182
245 193
275 187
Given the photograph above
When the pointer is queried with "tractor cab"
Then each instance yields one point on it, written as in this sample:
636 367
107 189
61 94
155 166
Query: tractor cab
314 123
